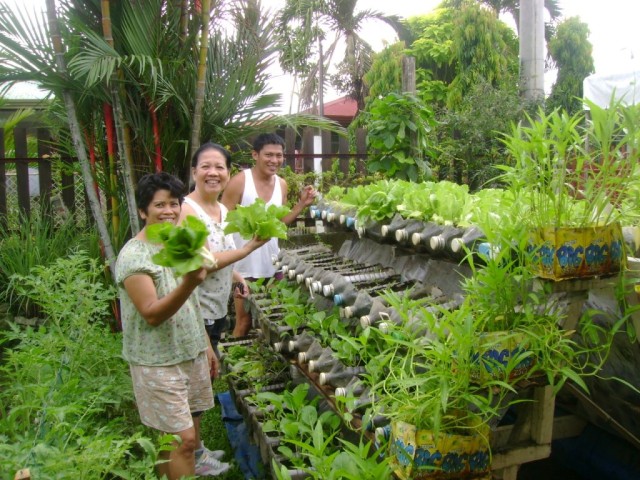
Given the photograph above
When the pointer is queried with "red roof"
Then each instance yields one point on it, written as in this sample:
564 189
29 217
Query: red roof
341 107
342 110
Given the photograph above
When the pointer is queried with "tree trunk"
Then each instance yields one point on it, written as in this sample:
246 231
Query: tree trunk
196 127
123 150
532 50
78 143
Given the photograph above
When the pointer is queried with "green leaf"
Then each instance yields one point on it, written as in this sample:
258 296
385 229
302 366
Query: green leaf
182 244
257 220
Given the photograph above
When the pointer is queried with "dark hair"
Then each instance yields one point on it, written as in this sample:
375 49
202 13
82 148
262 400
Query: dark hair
211 146
267 139
152 182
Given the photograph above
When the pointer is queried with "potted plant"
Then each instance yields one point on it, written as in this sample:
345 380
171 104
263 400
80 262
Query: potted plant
574 179
422 384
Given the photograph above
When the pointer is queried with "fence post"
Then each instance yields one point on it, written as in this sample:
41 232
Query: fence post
44 171
361 149
327 161
307 148
343 148
22 170
3 185
290 146
67 188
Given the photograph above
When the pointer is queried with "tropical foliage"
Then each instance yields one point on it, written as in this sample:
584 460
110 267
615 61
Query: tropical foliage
303 27
143 83
571 51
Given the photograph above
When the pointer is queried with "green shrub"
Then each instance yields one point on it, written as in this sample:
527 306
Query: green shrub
66 400
37 241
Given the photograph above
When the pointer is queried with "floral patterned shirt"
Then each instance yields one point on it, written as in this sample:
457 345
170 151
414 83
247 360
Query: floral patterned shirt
214 292
177 339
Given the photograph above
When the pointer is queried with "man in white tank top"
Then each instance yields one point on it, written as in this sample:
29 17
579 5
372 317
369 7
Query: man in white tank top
262 181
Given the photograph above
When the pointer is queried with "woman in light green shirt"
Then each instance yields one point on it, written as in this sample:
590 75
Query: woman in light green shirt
164 339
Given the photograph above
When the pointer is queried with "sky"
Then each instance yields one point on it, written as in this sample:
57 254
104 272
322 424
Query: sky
612 23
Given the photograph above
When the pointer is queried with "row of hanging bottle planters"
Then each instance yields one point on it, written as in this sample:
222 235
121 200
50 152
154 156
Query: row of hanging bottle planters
297 439
556 253
438 241
335 350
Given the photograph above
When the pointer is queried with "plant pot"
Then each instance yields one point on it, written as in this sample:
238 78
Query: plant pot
564 252
419 454
496 351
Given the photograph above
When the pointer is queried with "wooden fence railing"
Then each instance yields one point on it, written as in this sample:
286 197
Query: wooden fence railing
40 184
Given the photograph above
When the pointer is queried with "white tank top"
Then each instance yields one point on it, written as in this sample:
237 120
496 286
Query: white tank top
258 264
214 291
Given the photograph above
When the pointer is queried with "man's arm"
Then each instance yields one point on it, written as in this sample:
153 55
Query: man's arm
307 196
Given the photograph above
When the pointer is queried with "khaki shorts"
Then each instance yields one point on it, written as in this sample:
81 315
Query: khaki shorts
166 396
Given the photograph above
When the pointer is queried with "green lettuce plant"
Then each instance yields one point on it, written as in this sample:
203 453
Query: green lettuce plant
257 220
184 245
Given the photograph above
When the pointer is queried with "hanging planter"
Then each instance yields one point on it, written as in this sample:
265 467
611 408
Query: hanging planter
577 252
421 454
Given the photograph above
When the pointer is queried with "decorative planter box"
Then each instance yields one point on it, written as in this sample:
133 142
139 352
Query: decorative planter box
496 352
419 454
563 252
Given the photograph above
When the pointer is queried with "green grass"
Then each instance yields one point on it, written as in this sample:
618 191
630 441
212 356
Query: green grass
214 434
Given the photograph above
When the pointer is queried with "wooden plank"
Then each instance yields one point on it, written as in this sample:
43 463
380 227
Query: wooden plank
361 148
542 414
343 147
68 190
518 456
307 147
568 426
508 473
44 170
327 161
3 185
290 146
22 170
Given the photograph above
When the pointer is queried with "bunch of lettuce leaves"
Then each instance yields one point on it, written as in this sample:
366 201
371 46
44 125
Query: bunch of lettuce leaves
184 245
257 220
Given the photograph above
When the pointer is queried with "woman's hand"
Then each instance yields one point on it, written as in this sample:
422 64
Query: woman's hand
255 243
195 277
241 289
214 364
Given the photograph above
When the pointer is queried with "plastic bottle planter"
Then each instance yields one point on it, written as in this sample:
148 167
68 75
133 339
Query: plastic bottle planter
419 454
563 252
397 223
496 354
422 240
340 377
404 236
469 239
441 244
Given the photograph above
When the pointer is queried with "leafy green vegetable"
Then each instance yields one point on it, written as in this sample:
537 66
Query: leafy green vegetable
184 248
257 220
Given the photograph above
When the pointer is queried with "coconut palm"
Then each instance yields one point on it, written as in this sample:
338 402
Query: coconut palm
304 23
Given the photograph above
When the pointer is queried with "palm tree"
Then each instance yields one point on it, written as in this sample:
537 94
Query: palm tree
74 126
304 23
148 74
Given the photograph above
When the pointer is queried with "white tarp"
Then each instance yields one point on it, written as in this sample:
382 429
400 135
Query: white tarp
599 88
